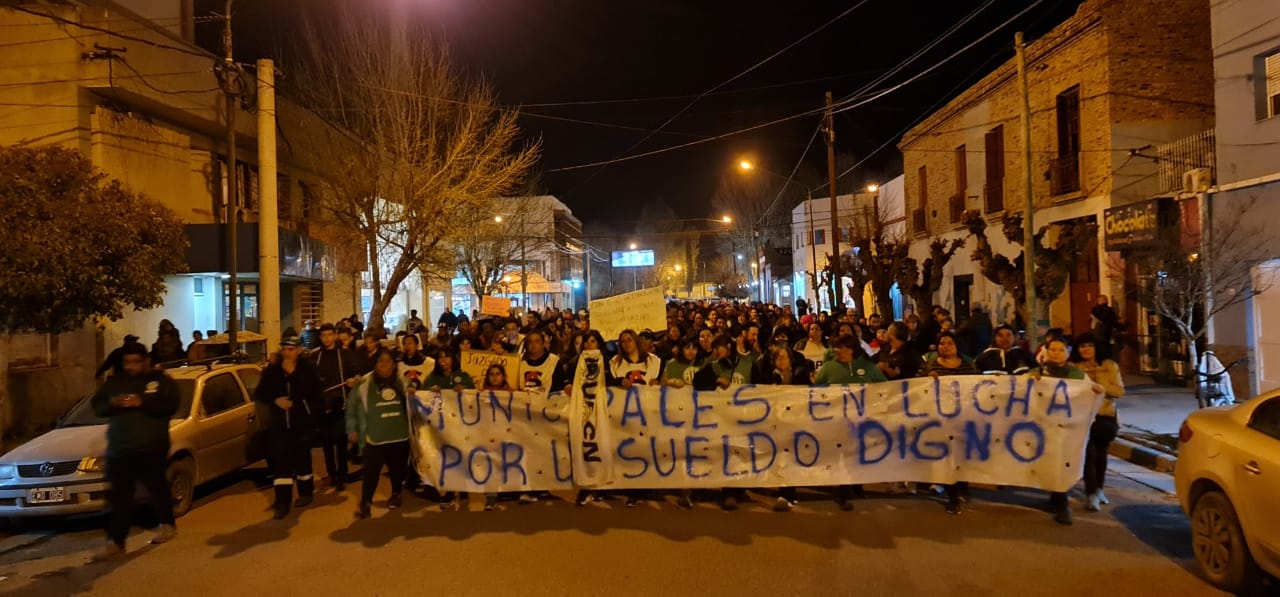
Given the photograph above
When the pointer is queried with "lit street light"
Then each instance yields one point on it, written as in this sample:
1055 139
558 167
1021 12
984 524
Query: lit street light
633 246
497 219
746 165
871 188
678 267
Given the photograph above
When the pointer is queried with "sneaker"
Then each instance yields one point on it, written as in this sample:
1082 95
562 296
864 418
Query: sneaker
685 501
1092 503
303 501
364 511
528 498
1063 516
449 505
107 552
953 507
631 502
490 502
845 504
584 496
729 504
164 534
782 505
1102 497
393 502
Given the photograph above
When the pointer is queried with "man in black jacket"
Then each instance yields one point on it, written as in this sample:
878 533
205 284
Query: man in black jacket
138 403
290 389
115 361
338 368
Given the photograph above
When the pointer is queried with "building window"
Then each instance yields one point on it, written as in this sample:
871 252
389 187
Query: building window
284 197
1266 77
197 286
993 191
819 237
308 200
918 219
1064 175
957 201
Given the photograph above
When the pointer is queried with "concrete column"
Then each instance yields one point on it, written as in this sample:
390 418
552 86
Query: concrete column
268 226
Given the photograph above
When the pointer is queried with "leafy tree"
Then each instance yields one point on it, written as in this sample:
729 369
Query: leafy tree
77 246
1053 264
414 150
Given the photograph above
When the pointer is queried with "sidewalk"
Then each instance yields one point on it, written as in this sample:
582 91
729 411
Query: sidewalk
1150 416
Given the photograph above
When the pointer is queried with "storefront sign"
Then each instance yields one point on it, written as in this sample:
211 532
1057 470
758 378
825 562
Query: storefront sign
1132 226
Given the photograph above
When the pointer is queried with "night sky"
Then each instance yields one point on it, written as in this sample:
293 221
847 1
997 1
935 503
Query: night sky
562 51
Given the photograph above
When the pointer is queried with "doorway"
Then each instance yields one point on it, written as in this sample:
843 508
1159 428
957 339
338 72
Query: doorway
961 285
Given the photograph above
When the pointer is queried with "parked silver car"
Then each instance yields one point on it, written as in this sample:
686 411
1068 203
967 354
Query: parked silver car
214 432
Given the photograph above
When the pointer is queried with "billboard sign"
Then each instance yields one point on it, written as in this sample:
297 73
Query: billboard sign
633 258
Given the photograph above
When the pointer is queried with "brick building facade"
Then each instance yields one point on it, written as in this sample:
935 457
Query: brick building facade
1118 76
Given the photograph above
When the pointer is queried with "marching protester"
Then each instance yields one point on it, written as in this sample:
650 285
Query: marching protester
1106 373
727 368
899 360
168 345
632 365
338 371
292 393
949 361
138 404
680 370
849 366
378 420
813 347
785 367
1004 356
447 376
114 363
495 379
1056 352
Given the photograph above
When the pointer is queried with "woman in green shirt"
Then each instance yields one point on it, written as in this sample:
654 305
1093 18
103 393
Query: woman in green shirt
378 420
680 370
849 366
447 375
1056 353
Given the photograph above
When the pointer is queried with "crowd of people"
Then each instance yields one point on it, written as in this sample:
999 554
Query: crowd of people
346 388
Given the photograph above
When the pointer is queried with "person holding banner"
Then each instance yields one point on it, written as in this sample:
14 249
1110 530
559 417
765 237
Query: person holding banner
1106 373
1055 352
1004 356
850 366
377 420
680 370
705 338
447 376
413 369
726 369
783 366
949 361
632 366
813 347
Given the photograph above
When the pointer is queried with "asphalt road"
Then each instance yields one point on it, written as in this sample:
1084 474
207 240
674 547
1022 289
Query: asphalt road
1003 544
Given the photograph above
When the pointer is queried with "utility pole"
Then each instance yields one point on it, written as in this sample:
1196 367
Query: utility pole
230 83
1028 218
268 225
835 212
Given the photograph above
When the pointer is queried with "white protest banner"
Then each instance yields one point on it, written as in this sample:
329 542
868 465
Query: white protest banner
1008 430
639 310
481 441
475 362
588 420
493 305
1004 430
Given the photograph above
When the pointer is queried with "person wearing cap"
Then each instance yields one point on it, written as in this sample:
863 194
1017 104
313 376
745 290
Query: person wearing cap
338 369
138 404
310 335
291 392
115 361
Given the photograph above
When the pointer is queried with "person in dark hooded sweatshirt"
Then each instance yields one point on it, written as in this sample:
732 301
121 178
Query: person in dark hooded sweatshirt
338 369
138 404
168 346
290 390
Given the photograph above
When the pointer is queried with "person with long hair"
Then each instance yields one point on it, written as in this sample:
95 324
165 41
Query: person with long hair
378 420
1106 373
784 366
632 365
1056 353
949 361
680 370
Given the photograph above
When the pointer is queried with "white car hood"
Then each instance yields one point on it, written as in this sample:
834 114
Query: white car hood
59 445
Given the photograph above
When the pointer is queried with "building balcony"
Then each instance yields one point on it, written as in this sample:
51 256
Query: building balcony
1176 158
919 223
955 207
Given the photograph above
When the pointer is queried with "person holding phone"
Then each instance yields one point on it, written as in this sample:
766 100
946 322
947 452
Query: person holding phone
138 404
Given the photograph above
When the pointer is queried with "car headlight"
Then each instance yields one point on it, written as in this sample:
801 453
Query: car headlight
92 464
8 471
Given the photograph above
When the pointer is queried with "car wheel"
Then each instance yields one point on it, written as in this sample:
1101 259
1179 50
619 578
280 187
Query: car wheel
1219 545
182 485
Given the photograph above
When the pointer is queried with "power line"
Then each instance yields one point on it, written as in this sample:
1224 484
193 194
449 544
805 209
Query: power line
790 176
142 79
660 98
749 69
141 40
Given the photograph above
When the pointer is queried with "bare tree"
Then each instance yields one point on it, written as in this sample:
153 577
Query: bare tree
921 281
1188 288
416 148
491 250
1053 264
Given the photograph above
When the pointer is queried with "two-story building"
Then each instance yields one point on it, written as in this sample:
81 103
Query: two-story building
1118 77
1246 77
123 83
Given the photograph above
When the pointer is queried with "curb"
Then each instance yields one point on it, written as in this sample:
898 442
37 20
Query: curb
1142 456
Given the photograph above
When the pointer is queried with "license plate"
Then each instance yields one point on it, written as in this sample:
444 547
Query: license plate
46 495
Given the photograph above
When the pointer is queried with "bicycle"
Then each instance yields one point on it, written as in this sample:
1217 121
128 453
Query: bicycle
1215 388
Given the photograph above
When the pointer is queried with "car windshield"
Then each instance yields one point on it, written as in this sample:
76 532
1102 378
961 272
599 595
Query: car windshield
82 414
